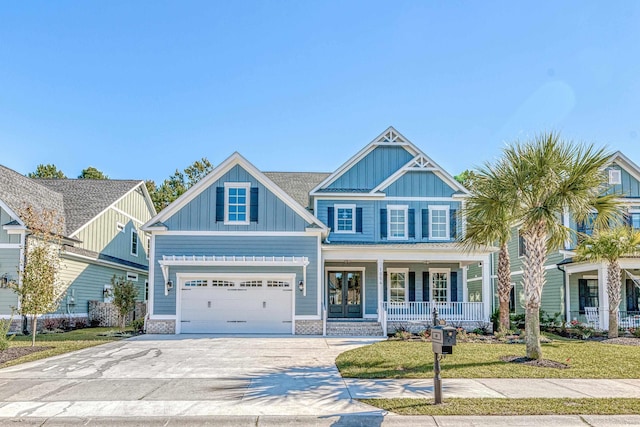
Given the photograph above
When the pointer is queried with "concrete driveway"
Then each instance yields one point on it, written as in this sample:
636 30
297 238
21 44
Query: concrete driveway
200 375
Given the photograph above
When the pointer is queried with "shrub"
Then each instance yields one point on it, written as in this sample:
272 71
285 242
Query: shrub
50 323
81 324
425 334
137 325
5 326
94 323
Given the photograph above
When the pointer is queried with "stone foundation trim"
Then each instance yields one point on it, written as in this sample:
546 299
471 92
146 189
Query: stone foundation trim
308 327
161 326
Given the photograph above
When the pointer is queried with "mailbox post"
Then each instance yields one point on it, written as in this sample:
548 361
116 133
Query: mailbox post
443 338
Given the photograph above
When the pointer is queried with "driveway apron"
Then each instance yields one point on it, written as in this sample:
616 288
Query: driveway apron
187 375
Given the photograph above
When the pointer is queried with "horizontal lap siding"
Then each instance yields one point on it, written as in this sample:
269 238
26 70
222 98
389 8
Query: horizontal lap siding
374 168
238 246
9 260
87 283
423 184
200 213
4 236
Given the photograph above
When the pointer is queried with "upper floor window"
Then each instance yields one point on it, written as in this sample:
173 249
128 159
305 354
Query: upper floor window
398 224
133 277
398 288
585 227
615 176
134 242
439 222
345 219
634 219
236 203
148 246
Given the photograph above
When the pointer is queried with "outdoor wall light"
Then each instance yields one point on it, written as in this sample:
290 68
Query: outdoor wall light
4 280
169 285
301 286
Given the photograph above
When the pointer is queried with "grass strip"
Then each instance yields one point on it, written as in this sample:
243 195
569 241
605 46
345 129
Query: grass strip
492 406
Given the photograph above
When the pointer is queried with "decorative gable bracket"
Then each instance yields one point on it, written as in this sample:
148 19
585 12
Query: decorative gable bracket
391 137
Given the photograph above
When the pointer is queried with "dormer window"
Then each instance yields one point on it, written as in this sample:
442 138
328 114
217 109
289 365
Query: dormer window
236 207
615 177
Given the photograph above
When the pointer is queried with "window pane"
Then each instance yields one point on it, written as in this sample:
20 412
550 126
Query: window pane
439 283
237 204
345 219
439 223
635 220
397 223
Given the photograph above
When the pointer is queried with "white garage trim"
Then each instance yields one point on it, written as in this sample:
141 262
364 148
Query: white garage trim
181 278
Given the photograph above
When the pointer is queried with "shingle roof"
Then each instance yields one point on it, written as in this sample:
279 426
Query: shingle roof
297 184
17 191
84 199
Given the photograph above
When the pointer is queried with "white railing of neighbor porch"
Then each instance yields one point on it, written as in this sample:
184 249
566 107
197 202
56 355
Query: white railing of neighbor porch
423 311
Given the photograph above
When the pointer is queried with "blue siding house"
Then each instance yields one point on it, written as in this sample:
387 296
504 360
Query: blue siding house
373 244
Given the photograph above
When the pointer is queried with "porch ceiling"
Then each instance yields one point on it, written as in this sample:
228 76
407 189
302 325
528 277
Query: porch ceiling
420 252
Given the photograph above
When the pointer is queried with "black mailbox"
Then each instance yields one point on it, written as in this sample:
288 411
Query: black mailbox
443 338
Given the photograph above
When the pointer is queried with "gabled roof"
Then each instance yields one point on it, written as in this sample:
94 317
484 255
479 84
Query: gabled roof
85 199
17 191
391 137
297 184
234 160
626 163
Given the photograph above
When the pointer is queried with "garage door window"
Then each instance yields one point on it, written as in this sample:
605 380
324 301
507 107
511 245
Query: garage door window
196 283
221 283
277 284
251 284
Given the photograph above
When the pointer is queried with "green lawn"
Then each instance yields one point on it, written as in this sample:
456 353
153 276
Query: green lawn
60 343
509 406
412 359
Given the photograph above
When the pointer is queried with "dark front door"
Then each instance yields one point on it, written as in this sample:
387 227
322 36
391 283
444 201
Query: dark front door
633 296
345 293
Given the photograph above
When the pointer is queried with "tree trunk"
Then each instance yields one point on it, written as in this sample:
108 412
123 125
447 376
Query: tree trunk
535 241
614 288
34 330
504 286
532 333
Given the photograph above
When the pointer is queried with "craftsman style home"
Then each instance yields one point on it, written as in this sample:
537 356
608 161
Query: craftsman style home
102 236
362 250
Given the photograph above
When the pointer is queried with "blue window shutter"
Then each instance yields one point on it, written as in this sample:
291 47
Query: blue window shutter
583 292
383 223
412 286
425 286
453 223
253 214
425 223
454 286
358 220
219 204
330 219
412 223
384 286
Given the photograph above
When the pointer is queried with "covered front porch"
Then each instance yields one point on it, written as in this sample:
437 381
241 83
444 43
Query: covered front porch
587 299
400 285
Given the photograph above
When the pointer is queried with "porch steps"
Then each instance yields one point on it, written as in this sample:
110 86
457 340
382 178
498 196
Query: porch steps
354 328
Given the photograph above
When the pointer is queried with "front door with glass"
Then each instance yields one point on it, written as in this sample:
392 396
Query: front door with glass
345 293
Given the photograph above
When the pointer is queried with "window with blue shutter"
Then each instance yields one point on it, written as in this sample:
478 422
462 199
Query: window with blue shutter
412 286
412 223
254 205
358 220
454 286
425 223
453 223
425 286
330 218
383 223
219 204
237 203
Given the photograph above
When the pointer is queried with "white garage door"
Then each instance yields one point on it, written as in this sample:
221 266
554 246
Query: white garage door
237 304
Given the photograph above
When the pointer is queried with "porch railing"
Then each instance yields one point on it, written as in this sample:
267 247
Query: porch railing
626 319
423 311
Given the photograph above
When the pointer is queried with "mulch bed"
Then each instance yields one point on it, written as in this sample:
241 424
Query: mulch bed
622 341
540 363
16 352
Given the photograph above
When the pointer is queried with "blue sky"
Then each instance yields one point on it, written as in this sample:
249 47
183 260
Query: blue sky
138 89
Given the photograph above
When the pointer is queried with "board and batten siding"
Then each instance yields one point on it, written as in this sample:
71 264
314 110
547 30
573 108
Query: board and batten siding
302 246
9 262
200 213
373 169
419 184
137 205
628 187
86 282
4 236
371 219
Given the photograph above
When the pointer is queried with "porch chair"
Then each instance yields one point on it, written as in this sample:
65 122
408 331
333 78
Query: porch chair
593 319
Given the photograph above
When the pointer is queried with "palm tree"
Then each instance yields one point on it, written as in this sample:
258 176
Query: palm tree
542 178
610 246
488 221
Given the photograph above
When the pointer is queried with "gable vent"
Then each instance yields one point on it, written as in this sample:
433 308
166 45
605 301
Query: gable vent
391 137
420 162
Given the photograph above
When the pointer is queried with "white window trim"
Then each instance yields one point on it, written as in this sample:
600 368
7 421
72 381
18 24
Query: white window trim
132 276
336 216
120 227
404 208
432 272
227 186
406 284
134 231
447 225
615 177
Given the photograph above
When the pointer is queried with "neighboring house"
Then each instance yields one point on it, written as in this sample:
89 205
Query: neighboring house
102 236
241 251
578 290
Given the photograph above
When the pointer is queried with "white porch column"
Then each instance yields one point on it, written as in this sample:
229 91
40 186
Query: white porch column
567 297
603 296
465 288
487 297
380 277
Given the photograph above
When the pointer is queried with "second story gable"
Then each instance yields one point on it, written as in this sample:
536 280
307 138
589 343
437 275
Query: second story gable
235 197
390 192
